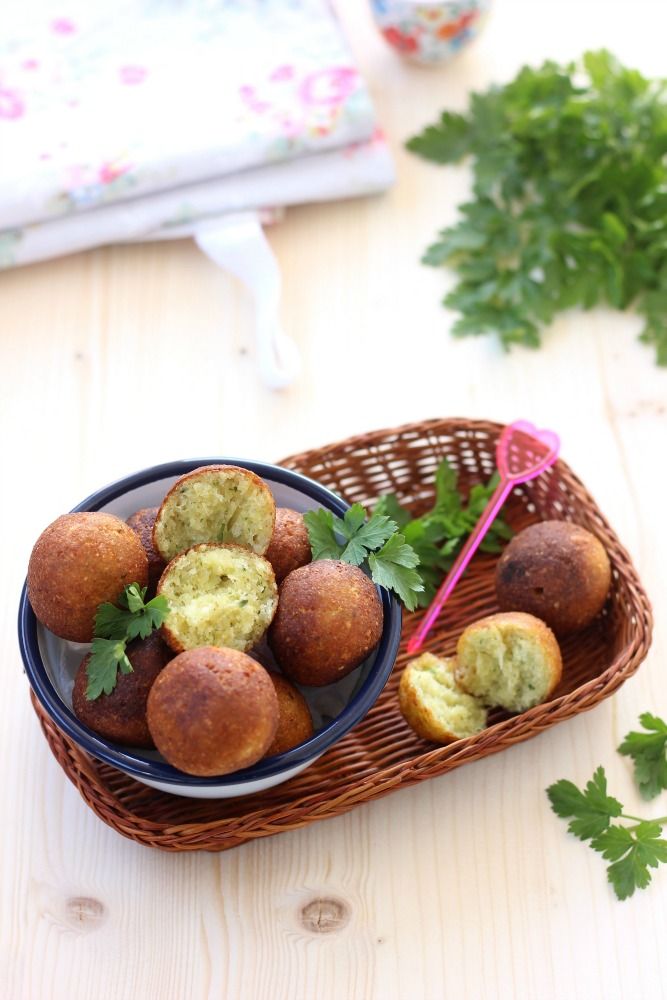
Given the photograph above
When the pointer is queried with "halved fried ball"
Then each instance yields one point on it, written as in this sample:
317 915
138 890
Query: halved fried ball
295 724
216 503
434 705
511 659
218 595
212 711
329 619
555 570
121 715
79 562
142 522
290 545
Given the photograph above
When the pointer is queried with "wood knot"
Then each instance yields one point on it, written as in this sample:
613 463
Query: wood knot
323 915
85 913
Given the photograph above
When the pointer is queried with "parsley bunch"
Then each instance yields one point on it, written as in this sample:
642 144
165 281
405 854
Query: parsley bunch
438 534
570 199
115 626
354 540
634 849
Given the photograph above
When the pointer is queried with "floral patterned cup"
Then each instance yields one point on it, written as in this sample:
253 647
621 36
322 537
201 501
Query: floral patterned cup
429 31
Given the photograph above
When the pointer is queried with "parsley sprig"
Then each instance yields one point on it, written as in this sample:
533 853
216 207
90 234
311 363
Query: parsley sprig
354 539
570 199
437 535
633 849
649 752
115 626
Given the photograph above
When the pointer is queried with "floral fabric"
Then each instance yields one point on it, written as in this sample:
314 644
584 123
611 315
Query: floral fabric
160 106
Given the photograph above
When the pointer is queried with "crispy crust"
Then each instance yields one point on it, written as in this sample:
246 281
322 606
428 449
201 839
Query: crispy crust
212 711
168 634
121 715
295 724
79 562
329 619
142 522
204 470
531 626
290 546
416 709
557 571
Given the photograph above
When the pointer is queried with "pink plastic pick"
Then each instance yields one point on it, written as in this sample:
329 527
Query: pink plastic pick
523 452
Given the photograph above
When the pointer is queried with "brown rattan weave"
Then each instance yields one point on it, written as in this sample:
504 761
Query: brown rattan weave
382 754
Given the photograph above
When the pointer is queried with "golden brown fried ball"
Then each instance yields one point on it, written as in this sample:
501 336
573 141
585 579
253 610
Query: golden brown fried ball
329 618
557 571
142 522
79 562
212 711
295 724
289 547
121 715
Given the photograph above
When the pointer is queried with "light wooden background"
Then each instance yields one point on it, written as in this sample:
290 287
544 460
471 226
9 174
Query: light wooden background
464 887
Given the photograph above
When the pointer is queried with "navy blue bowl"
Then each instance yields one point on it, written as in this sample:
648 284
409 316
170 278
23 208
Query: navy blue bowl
268 771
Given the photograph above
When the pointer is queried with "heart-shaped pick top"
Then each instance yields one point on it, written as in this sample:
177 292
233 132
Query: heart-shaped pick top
523 451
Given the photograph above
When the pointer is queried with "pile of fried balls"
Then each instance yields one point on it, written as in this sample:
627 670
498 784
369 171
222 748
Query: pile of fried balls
235 572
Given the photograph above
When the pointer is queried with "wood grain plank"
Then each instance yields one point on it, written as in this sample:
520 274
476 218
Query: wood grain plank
466 886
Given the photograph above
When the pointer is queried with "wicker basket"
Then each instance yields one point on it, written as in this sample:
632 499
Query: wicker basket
382 754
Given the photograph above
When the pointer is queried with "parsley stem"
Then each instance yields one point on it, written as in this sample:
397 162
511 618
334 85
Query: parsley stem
661 820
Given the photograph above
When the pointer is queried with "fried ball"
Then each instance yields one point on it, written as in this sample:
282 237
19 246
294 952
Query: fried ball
121 715
434 705
290 546
212 711
510 659
218 595
142 522
79 562
557 571
295 724
329 619
216 503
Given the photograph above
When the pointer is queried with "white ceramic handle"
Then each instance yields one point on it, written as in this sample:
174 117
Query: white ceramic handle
238 244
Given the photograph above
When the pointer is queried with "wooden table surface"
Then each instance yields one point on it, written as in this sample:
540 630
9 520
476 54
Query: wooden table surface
466 886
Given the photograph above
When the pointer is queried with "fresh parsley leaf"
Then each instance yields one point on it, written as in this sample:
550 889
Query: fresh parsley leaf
393 567
593 808
321 534
389 505
355 540
111 621
352 521
649 753
569 200
132 597
367 537
633 850
107 655
148 618
437 535
115 626
446 142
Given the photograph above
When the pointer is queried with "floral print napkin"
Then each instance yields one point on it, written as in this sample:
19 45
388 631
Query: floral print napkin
143 105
